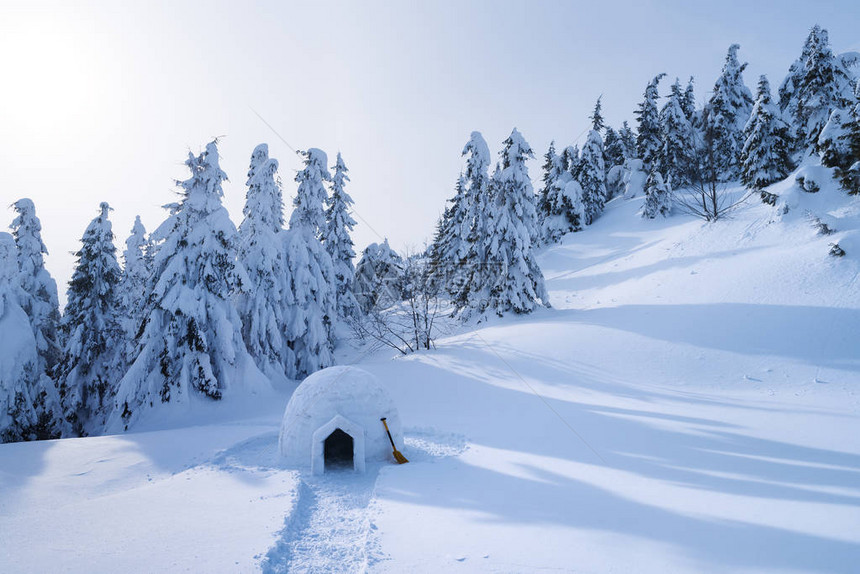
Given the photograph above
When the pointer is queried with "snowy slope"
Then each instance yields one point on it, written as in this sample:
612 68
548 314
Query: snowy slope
690 404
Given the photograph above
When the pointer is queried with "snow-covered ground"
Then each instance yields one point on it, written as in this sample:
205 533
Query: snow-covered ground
690 404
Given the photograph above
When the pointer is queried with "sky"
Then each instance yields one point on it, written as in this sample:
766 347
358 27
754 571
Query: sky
102 101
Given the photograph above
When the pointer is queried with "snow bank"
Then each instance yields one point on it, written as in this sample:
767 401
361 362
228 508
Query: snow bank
347 398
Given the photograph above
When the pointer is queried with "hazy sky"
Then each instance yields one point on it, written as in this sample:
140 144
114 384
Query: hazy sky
101 101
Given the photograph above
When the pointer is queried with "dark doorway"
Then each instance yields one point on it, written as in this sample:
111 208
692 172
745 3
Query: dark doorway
338 450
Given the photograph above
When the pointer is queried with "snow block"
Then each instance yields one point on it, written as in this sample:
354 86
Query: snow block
345 398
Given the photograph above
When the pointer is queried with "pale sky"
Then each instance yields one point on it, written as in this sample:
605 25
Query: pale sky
101 101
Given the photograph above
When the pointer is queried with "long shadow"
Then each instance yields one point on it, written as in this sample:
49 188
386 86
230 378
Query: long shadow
820 336
690 452
546 497
578 282
20 462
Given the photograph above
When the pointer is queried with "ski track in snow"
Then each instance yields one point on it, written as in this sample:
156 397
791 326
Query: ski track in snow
330 525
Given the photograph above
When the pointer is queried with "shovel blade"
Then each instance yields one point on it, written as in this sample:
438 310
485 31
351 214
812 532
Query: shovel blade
399 457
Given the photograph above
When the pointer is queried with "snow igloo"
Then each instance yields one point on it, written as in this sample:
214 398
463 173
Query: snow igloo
333 421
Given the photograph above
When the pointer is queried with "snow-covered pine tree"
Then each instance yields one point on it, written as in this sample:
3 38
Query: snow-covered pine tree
596 117
571 160
551 172
688 103
191 342
437 253
817 83
850 177
92 362
137 268
658 196
19 358
338 242
832 144
41 305
614 153
378 277
474 227
725 116
450 248
676 159
648 140
566 211
264 304
766 155
512 279
592 171
314 309
628 139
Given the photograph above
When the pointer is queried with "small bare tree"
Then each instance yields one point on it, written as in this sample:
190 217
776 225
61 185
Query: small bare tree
707 197
410 324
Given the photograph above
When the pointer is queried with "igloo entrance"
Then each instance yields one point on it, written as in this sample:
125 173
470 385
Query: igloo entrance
338 451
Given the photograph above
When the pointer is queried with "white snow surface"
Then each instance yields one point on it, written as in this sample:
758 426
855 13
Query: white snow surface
691 403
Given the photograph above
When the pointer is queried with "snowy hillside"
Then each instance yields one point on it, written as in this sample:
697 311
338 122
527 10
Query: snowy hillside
689 404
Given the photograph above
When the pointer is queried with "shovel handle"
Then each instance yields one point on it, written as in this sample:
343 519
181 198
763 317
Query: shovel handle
389 432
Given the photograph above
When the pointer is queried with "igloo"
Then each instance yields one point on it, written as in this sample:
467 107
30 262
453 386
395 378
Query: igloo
333 419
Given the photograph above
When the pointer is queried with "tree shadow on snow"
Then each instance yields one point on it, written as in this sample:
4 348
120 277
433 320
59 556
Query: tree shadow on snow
665 448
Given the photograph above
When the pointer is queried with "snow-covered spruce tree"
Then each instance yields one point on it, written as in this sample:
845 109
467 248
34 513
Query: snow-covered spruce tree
850 176
40 303
648 140
551 170
378 277
566 210
560 208
457 250
92 362
512 280
264 304
191 340
450 249
725 116
40 290
766 155
614 152
592 173
688 104
137 268
628 139
338 242
817 83
832 144
658 196
676 160
19 358
312 276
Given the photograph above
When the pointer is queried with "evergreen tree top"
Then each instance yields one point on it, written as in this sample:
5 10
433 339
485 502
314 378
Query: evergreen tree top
516 151
308 210
8 261
258 158
27 229
479 156
203 191
596 117
340 171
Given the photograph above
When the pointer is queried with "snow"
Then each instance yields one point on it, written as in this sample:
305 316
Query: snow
350 399
689 404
